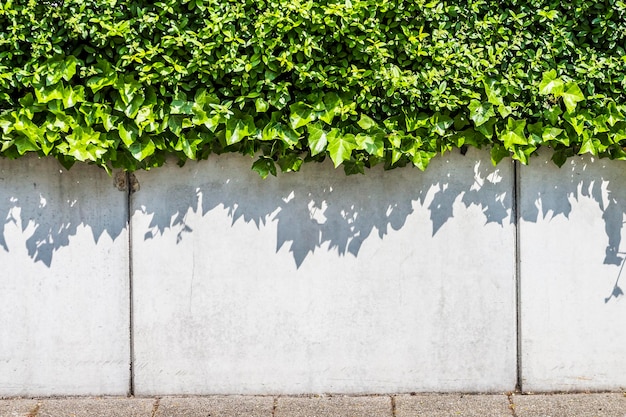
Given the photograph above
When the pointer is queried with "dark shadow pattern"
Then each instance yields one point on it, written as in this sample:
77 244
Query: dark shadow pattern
321 208
600 181
49 204
317 208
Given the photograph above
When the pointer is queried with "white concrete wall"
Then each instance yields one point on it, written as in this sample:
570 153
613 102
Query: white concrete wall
313 282
64 303
572 304
316 282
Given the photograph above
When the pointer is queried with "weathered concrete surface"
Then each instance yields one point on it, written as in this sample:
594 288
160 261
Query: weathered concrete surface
568 405
335 406
96 407
316 282
64 281
18 407
236 405
431 405
452 405
571 251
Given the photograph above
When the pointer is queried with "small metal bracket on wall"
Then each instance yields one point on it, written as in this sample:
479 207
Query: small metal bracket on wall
125 179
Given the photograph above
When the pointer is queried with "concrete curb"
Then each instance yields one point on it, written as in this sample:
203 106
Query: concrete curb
401 405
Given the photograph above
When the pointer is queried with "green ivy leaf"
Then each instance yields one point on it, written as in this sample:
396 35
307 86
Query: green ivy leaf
353 167
498 152
514 134
550 133
441 123
84 144
98 82
73 95
589 145
332 105
141 149
414 122
49 93
559 157
69 67
261 105
421 159
300 115
372 144
317 138
182 107
480 113
487 129
340 146
238 129
577 121
552 114
128 132
290 163
572 96
366 122
551 84
493 91
614 114
289 136
25 144
264 166
188 147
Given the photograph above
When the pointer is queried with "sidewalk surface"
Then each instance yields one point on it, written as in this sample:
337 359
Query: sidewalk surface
435 405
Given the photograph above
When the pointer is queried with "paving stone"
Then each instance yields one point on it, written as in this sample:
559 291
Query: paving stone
435 405
96 407
335 406
567 405
16 407
216 406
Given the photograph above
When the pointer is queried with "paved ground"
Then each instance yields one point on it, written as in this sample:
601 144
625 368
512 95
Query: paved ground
427 405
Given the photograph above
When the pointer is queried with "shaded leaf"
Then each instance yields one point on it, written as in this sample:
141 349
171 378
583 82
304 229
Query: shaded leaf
264 166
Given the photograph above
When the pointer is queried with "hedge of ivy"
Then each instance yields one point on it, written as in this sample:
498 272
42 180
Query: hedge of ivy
124 83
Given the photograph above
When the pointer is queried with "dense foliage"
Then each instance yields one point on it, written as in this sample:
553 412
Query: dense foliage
124 83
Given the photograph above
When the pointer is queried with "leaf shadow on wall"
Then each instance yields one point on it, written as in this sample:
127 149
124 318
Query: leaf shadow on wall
578 179
43 206
322 208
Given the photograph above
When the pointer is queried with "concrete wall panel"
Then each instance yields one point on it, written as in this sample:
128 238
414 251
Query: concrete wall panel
572 255
317 282
64 300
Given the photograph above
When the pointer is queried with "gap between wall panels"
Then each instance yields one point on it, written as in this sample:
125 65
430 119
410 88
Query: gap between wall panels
518 310
129 192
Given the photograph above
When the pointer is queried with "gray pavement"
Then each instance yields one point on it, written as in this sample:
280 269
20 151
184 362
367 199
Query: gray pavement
401 405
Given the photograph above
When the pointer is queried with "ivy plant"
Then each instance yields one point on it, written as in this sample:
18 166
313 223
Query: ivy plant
125 83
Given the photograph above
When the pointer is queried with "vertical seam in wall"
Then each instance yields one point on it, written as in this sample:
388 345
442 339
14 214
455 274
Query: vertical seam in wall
131 330
518 300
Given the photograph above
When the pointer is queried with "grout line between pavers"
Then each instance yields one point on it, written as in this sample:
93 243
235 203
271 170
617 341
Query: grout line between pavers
155 406
393 405
34 411
509 396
